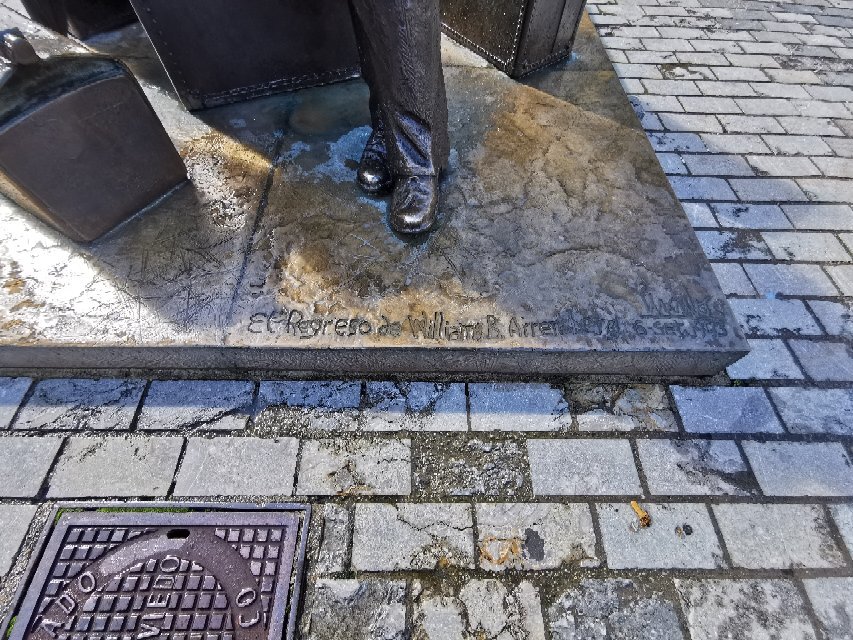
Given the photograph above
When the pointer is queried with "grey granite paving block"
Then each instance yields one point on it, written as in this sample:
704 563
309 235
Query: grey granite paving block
533 536
481 609
415 406
836 317
346 467
184 404
412 537
842 275
619 408
725 410
733 245
800 468
806 247
843 516
681 536
115 467
744 610
237 467
614 608
518 407
14 524
695 467
815 410
774 318
336 537
25 463
582 467
766 360
772 280
733 279
294 408
311 395
12 391
81 404
356 610
832 602
778 536
825 361
456 465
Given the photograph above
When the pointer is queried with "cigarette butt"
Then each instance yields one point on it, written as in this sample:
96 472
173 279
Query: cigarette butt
642 514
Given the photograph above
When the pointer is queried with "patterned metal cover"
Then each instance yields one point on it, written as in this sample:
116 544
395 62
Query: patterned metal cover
172 576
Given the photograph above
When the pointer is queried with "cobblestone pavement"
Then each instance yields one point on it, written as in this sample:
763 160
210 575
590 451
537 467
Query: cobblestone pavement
502 511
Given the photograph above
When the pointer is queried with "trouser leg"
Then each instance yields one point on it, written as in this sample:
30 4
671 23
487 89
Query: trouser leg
400 45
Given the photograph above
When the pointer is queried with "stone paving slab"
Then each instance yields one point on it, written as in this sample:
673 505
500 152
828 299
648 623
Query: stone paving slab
681 536
582 467
725 410
620 408
25 463
81 404
815 410
800 468
534 536
744 610
357 610
355 467
518 407
115 466
14 524
333 554
695 467
832 601
843 516
416 406
237 467
778 536
196 405
616 607
12 391
414 537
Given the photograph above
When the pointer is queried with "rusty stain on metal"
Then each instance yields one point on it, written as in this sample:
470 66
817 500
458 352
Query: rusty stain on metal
224 575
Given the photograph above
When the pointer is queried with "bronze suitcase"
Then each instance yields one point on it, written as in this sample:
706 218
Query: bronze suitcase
80 145
222 51
517 36
81 18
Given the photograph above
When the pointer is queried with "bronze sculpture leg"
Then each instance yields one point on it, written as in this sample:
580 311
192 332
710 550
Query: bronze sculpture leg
400 46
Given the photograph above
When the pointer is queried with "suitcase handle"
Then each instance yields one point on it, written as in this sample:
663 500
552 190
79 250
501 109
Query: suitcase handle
15 49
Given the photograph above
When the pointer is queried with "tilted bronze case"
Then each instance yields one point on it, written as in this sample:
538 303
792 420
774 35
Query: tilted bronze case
221 51
80 145
81 18
517 36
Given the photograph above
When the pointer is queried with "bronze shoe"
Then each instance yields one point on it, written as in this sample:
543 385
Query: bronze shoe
414 207
374 175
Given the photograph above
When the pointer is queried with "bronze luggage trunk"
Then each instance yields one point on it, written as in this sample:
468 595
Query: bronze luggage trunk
517 36
221 51
81 18
80 145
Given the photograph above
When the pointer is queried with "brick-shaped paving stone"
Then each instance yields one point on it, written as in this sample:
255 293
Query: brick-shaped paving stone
355 466
695 467
237 467
582 467
843 516
12 392
815 410
480 609
356 610
81 404
461 465
115 467
832 602
412 537
336 537
534 536
518 407
773 318
293 408
15 521
744 610
778 536
725 410
766 360
618 408
618 608
415 406
222 405
836 317
25 463
825 361
800 468
680 536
